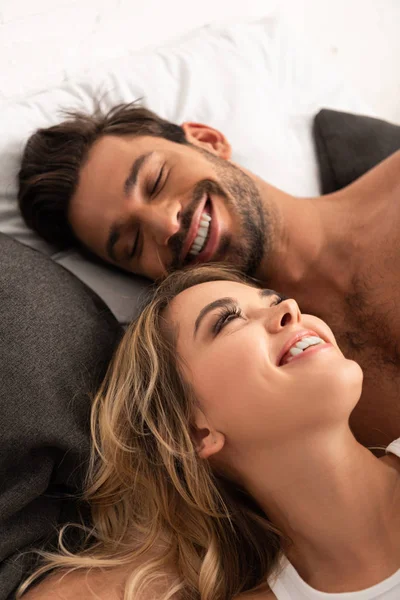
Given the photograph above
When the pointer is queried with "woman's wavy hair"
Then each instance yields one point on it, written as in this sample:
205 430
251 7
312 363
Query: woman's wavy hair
150 494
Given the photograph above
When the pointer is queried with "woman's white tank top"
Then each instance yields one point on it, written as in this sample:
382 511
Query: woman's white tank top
288 585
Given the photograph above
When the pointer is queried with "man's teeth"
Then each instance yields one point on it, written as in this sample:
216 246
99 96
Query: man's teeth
202 233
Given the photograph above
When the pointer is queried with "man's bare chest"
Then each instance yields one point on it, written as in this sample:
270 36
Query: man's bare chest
367 322
366 325
361 301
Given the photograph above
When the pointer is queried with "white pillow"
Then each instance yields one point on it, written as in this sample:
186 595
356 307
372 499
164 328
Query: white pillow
255 81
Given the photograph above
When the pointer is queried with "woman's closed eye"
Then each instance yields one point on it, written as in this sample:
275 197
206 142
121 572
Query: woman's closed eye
230 313
227 314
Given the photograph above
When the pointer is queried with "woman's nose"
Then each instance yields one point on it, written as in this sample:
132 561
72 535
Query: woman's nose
286 313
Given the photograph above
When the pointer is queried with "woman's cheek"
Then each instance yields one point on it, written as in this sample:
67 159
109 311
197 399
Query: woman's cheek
224 375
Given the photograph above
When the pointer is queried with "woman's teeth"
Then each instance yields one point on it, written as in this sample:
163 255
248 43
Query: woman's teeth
301 346
304 343
202 235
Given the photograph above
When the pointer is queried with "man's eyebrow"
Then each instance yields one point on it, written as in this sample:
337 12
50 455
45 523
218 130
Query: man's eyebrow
221 302
131 180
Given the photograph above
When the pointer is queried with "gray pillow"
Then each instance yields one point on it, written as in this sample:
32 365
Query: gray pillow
349 145
56 340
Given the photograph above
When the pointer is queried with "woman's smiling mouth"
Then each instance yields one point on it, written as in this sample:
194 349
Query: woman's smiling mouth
308 352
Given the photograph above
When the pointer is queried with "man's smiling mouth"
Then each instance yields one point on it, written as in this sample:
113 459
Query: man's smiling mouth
197 240
203 232
209 246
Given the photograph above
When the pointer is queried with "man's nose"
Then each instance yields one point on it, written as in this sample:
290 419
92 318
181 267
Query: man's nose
161 221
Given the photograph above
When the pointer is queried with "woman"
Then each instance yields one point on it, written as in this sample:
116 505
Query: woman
223 464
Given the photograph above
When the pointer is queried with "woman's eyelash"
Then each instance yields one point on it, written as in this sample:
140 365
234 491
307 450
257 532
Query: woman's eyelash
228 313
279 300
224 317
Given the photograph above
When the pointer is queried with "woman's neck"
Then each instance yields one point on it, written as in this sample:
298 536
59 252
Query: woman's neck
339 505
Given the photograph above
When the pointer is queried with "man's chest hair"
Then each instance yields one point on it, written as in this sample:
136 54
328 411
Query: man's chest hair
367 325
365 318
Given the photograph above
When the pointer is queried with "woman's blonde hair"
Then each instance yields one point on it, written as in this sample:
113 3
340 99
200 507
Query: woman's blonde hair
148 489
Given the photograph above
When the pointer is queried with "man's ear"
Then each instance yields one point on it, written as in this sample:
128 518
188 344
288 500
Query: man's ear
207 440
208 138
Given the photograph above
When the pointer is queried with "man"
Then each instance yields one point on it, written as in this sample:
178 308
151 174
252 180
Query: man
150 196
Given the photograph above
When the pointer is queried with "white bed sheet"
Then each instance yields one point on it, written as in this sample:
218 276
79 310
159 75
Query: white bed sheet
252 80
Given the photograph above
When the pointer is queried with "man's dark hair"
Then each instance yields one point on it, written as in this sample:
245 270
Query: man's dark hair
54 156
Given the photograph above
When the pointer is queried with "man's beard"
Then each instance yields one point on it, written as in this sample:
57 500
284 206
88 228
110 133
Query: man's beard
244 249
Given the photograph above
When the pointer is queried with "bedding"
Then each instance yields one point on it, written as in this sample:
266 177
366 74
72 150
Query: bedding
255 81
349 145
56 340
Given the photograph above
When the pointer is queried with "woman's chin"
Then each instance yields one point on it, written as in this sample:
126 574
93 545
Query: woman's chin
340 377
347 378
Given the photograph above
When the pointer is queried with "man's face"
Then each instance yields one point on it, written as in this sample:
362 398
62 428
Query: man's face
150 206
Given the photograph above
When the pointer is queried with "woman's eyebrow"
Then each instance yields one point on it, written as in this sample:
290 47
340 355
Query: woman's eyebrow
265 293
222 302
209 307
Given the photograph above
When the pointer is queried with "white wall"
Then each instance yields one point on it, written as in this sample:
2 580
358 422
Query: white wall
43 42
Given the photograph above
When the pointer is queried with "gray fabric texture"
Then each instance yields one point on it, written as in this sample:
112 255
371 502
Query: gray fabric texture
56 340
349 145
121 291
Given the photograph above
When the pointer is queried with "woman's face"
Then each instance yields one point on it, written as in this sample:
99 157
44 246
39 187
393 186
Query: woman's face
234 339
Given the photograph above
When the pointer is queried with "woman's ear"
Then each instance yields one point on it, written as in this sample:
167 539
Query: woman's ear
208 138
207 440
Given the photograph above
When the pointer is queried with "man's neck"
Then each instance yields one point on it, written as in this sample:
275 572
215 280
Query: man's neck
317 244
310 240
